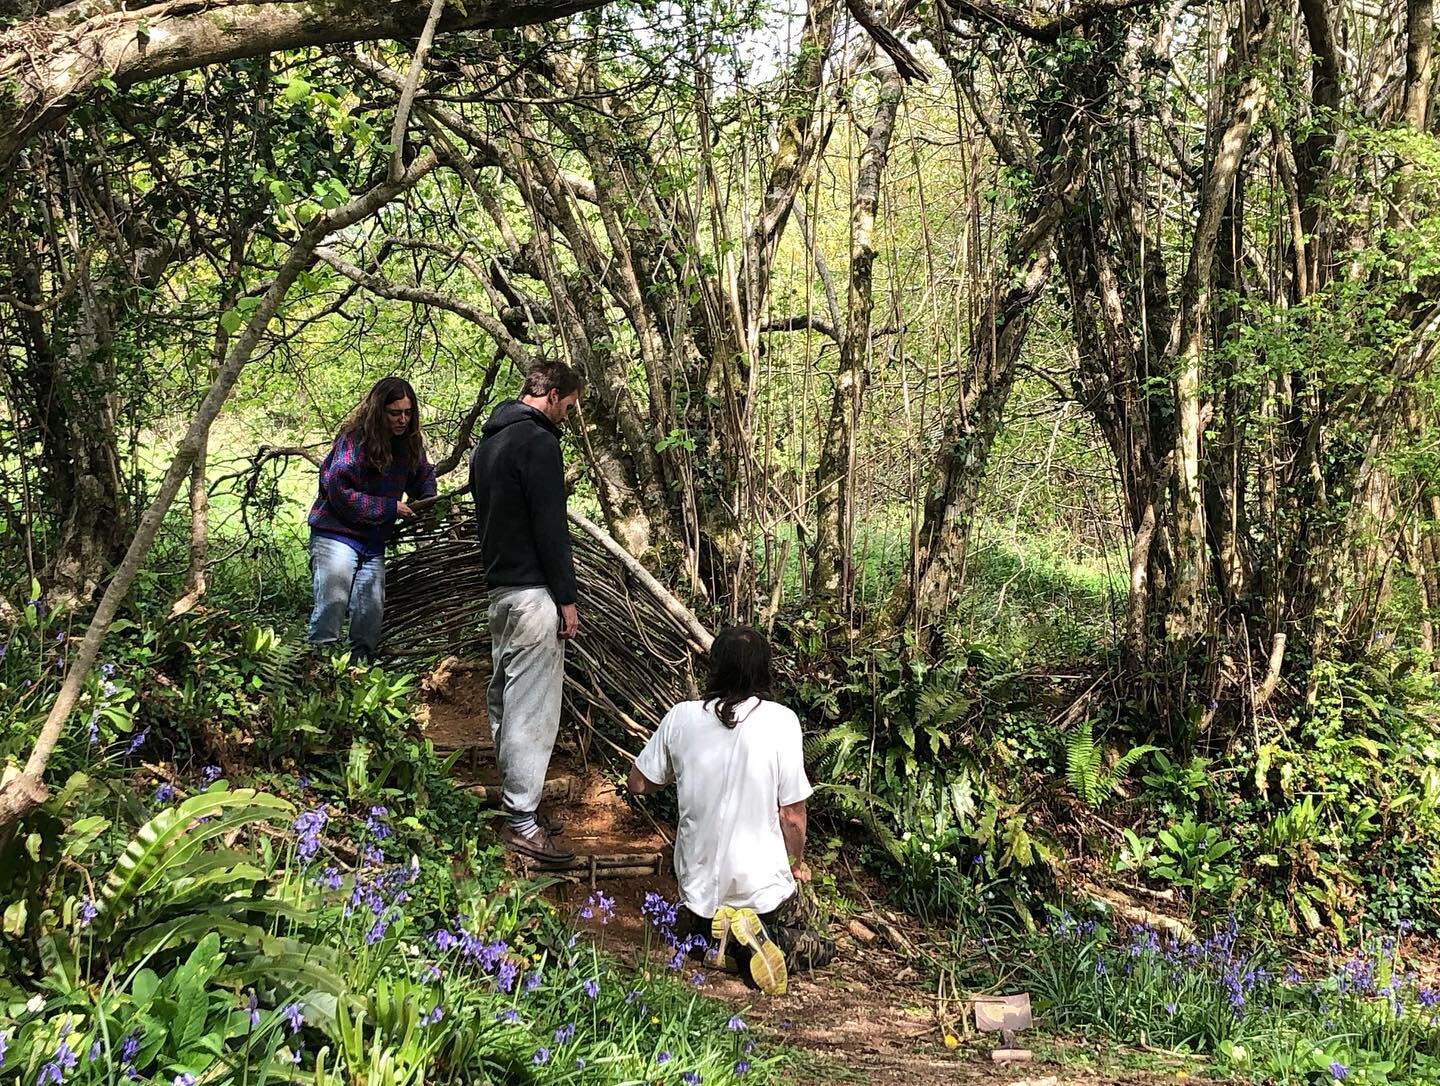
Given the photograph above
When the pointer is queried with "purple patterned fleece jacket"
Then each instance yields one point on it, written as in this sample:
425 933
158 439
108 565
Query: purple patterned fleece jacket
356 502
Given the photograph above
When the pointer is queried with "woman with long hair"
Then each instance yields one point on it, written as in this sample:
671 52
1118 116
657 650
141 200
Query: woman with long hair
378 461
736 760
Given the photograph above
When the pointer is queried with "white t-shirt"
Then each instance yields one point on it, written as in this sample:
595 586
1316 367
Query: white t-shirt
732 783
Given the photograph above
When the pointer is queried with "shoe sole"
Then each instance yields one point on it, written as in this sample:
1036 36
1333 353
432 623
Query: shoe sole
767 961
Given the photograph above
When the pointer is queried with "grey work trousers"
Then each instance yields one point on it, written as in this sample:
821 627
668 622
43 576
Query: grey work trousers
528 670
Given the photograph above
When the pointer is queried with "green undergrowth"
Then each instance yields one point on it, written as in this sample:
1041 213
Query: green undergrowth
1254 1008
251 872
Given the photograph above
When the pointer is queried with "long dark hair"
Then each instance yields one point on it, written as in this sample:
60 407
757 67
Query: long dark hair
739 670
369 423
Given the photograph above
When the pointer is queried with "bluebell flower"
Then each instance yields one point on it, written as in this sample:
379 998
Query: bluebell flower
659 912
592 988
253 1006
598 904
430 974
4 1037
108 691
579 1063
88 912
130 1047
697 980
95 1048
444 940
294 1016
691 1078
1338 1071
137 741
741 1066
736 1024
533 980
165 793
185 1078
307 832
542 1055
92 729
632 995
54 1071
1099 968
209 775
377 931
512 1016
565 1033
488 955
108 670
434 1016
331 878
372 855
506 975
663 1058
376 823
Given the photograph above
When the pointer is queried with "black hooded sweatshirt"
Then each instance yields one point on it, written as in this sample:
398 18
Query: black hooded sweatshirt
517 478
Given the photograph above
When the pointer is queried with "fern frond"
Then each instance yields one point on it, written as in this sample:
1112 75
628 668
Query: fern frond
1082 762
830 752
1128 760
170 839
859 803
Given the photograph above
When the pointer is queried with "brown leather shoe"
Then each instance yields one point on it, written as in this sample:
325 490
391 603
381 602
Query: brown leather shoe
539 845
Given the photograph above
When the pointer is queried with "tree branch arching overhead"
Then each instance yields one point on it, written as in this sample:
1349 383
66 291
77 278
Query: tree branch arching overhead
49 64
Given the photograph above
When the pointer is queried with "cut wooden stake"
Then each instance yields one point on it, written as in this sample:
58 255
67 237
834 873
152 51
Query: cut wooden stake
555 790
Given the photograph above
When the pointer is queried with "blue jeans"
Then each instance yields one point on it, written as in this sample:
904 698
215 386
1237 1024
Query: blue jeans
345 580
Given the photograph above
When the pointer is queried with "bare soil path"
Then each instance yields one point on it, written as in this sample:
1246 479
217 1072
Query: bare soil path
867 1018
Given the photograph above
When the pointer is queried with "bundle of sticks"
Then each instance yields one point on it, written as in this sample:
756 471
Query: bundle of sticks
638 645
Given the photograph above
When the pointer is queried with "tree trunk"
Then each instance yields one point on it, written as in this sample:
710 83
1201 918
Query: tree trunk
972 425
1188 619
835 474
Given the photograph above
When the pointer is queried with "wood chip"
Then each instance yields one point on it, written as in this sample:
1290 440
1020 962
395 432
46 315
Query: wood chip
861 933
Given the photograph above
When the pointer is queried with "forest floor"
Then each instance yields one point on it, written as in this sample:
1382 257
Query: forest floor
869 1017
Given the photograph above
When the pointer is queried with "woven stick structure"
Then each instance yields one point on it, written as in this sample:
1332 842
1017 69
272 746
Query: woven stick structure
638 645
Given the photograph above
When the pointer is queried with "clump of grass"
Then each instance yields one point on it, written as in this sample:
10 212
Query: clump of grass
1364 1018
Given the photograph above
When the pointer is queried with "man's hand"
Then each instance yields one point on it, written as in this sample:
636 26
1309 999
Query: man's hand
801 871
404 510
569 621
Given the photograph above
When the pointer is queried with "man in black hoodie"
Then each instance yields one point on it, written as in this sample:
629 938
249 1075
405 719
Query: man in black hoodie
517 478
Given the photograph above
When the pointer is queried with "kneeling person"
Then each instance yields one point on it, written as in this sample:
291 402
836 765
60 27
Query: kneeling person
736 760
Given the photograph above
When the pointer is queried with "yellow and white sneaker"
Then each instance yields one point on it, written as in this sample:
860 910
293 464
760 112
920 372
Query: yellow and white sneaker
766 964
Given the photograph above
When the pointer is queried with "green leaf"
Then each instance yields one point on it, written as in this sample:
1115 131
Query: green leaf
144 986
173 836
297 90
231 321
15 915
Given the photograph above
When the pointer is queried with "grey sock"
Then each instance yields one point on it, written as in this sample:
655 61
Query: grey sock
523 822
